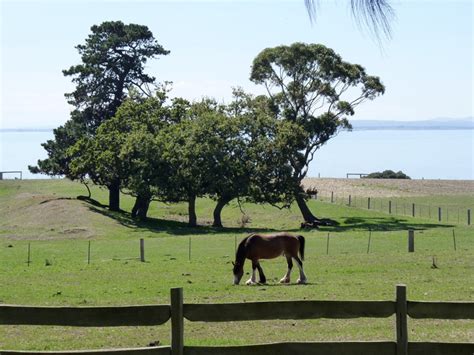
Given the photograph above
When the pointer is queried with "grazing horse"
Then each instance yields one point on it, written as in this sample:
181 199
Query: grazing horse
257 246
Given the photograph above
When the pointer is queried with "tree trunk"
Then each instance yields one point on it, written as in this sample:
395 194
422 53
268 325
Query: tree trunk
305 211
192 211
140 208
221 202
114 196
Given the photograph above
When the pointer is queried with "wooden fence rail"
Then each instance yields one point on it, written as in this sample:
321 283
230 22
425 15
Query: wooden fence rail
177 311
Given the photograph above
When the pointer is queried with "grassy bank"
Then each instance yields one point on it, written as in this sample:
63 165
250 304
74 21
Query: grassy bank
58 227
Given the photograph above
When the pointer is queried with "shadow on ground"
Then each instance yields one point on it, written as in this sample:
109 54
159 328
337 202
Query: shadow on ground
169 226
383 224
343 224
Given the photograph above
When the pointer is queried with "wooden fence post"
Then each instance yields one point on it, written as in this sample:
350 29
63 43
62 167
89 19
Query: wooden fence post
142 250
368 203
390 207
349 200
468 217
401 320
189 246
411 241
368 245
454 240
439 214
29 254
177 322
89 253
327 245
413 210
332 196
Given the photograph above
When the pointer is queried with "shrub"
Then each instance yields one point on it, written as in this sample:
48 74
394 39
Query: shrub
387 174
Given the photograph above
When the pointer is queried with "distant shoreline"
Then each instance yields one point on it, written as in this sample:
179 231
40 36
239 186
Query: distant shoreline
354 128
358 125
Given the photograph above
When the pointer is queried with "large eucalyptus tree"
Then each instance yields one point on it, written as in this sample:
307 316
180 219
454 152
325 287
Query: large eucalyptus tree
312 87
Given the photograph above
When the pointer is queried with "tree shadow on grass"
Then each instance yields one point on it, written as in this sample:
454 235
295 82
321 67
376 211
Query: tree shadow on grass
170 226
381 224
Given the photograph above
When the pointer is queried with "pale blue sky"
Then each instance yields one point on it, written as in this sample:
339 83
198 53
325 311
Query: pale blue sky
427 67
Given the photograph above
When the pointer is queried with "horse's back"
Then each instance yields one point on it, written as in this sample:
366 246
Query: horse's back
270 246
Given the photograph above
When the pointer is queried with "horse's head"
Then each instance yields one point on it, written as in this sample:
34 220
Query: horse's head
238 272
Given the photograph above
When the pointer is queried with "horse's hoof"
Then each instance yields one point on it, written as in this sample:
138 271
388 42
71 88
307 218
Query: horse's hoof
285 281
302 282
250 282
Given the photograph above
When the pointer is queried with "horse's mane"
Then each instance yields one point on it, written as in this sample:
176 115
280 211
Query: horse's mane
241 249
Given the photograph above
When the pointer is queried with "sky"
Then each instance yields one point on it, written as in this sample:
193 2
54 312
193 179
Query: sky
426 67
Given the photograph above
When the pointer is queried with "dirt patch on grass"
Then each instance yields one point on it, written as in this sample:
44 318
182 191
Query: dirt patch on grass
390 187
38 216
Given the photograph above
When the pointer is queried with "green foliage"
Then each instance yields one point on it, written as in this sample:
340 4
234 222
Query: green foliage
311 86
387 174
113 62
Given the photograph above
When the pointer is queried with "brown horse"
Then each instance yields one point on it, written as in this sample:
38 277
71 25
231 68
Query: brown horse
257 246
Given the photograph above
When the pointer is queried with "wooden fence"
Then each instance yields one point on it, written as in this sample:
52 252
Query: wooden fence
177 311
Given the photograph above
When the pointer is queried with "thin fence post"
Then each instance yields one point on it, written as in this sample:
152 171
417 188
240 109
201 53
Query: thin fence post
177 322
327 245
368 245
401 320
332 196
29 254
411 241
142 250
349 200
413 210
439 214
390 207
189 254
468 217
454 240
368 203
89 253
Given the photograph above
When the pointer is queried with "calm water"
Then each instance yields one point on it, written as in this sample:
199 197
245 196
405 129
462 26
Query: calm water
429 154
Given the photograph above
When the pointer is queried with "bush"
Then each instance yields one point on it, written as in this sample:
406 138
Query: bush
387 174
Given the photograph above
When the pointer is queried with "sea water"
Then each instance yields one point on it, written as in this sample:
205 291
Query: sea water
429 154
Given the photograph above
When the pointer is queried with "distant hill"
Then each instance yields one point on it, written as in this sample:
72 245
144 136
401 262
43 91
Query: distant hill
439 123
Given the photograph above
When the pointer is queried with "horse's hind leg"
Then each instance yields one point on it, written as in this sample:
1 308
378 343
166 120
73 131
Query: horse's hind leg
286 278
302 279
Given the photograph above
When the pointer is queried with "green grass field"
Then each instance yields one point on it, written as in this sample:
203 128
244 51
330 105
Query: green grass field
58 228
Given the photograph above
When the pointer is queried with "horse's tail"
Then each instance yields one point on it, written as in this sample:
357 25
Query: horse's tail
301 240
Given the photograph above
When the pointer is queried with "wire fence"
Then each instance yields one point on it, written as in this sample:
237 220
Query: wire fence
401 207
166 251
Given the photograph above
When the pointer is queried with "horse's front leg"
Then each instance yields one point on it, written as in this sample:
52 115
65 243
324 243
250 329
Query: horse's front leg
263 279
253 279
286 278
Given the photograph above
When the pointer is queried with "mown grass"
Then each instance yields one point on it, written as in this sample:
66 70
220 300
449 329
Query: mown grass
60 275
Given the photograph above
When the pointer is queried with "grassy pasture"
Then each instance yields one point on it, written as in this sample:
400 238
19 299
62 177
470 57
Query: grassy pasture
58 227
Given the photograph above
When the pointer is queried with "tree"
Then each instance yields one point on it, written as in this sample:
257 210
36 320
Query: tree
376 15
113 61
311 86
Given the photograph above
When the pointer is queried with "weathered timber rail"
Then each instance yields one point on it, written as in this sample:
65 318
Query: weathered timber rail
177 311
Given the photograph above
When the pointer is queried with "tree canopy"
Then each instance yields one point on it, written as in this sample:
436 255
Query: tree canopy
113 62
311 86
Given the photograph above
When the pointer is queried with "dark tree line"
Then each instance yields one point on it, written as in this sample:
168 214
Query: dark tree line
126 134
